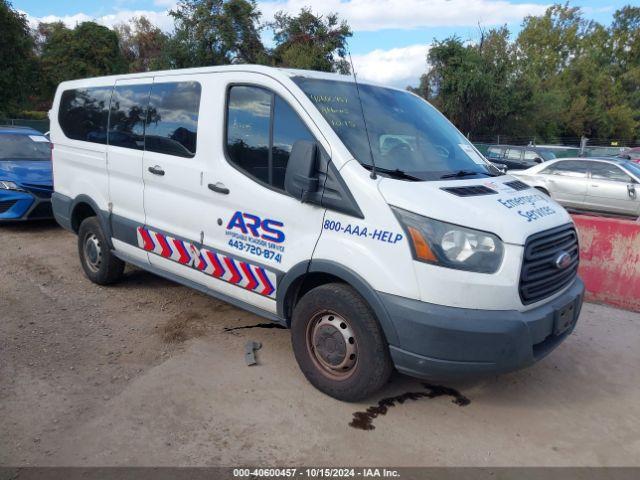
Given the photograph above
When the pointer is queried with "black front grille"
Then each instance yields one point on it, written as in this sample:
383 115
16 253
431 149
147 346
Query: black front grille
6 205
517 185
42 210
42 191
540 276
470 191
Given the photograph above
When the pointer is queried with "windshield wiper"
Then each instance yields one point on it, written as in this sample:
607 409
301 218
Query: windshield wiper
396 173
464 173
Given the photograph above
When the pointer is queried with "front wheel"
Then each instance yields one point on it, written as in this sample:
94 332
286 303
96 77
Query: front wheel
98 261
339 344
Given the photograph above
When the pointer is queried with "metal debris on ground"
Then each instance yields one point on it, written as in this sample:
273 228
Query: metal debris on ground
250 352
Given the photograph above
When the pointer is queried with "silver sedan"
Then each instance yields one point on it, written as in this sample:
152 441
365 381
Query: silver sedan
594 185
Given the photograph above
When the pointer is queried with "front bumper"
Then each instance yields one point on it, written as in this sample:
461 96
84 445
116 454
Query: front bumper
18 205
446 342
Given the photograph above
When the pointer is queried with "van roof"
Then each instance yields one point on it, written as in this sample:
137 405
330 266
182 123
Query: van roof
249 68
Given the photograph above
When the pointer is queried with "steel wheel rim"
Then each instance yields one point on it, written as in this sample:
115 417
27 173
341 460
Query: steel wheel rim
332 345
92 249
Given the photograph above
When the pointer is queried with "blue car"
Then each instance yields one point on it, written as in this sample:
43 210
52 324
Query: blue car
26 180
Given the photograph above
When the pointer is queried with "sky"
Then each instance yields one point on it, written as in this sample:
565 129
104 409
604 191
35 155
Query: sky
391 37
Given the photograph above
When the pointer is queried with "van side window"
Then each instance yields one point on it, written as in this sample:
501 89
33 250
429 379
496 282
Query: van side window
128 113
248 130
261 130
172 118
288 128
84 113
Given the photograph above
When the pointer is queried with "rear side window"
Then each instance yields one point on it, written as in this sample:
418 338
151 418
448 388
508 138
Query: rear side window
495 152
607 171
172 119
514 154
261 131
128 113
569 168
84 114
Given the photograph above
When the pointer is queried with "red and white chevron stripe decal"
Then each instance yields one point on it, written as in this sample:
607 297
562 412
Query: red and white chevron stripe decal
243 274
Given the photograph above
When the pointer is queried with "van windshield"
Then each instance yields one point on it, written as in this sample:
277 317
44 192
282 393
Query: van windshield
408 137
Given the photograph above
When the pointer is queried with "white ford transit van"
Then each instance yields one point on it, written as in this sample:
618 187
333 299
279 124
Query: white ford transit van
354 214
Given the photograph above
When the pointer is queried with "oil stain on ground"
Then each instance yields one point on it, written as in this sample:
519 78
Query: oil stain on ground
259 325
364 420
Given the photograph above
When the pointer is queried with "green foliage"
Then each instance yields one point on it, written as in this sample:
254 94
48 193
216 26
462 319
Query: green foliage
311 42
143 45
88 50
32 115
16 58
216 32
563 76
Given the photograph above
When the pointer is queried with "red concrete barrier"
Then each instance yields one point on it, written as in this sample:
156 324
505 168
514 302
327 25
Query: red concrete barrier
610 260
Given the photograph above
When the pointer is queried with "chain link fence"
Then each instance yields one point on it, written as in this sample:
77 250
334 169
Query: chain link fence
594 146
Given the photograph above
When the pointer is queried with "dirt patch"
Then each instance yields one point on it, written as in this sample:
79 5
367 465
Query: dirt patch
183 326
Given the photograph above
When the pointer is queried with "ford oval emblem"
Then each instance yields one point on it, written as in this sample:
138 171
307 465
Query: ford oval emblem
562 261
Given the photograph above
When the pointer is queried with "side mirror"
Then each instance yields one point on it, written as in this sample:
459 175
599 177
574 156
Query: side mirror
501 167
631 189
538 160
299 179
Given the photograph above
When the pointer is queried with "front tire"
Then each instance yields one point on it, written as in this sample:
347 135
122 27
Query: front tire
98 261
339 344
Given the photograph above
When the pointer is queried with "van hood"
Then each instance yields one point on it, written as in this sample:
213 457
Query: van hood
37 172
511 214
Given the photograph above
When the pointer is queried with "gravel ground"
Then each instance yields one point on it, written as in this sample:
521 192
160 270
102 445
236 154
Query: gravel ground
144 373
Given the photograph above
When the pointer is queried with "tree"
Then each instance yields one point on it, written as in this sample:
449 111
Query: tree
310 41
563 77
216 32
143 45
88 50
625 44
16 58
472 84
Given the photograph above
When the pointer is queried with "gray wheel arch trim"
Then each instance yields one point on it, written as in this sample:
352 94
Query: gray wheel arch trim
62 202
348 276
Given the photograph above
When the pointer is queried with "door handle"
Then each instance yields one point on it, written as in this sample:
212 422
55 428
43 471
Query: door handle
595 186
157 170
218 188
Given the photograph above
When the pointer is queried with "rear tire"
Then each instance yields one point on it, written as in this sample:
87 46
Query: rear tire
543 190
98 261
339 344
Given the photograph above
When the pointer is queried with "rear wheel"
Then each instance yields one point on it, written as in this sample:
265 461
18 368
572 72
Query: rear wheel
96 258
339 344
543 190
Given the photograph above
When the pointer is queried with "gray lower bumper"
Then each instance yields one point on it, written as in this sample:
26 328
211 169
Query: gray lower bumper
61 206
447 342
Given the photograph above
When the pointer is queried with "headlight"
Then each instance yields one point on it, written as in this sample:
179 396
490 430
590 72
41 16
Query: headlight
451 246
6 185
